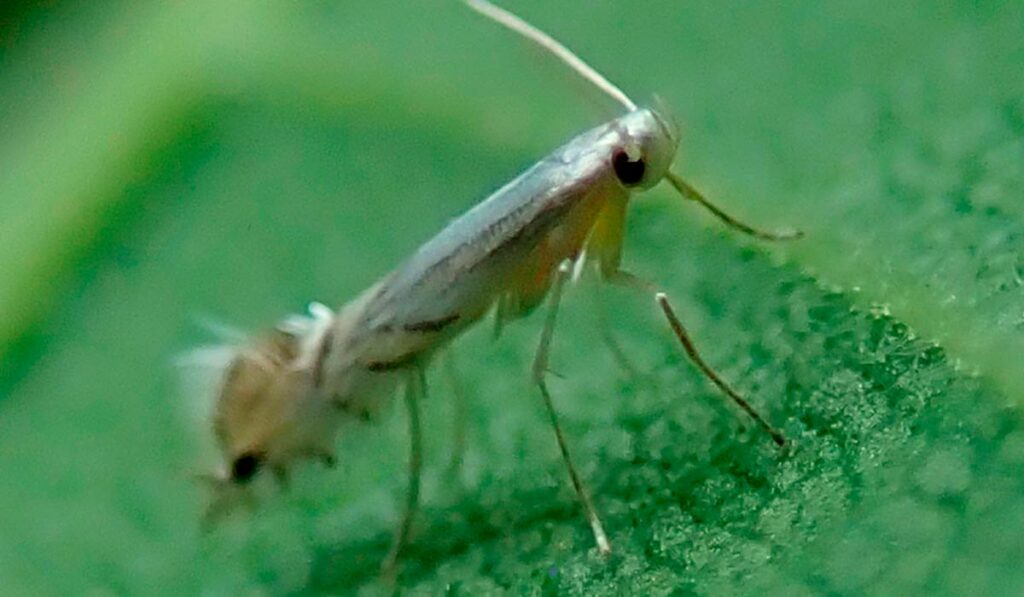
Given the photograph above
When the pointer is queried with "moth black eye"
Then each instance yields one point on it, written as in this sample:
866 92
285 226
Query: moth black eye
630 172
244 467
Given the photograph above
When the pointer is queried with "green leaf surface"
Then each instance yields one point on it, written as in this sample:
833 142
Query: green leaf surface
168 162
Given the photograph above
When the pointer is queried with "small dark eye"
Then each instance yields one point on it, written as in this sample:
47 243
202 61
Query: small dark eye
244 467
630 172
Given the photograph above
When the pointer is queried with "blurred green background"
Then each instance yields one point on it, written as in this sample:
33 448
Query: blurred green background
162 163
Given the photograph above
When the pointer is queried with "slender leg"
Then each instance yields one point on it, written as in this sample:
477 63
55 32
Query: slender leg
540 365
416 388
614 347
461 408
619 354
627 279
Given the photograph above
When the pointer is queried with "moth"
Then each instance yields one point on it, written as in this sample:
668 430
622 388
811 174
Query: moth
282 396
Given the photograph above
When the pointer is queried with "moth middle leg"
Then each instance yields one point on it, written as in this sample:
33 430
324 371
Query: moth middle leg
540 369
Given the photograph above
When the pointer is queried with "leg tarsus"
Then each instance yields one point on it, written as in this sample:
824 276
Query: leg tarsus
540 368
600 537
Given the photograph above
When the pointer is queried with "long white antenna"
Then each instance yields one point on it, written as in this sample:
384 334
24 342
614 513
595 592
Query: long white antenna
504 17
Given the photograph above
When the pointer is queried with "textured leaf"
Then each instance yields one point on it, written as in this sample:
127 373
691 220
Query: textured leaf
235 160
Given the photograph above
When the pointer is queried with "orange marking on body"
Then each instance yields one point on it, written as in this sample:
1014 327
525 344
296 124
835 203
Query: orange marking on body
533 279
605 242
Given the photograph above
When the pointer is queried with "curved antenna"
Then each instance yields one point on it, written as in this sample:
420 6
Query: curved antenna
511 21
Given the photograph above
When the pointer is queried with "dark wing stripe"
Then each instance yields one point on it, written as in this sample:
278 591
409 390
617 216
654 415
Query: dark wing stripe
399 363
435 325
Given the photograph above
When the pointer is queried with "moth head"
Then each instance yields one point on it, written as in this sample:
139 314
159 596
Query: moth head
646 146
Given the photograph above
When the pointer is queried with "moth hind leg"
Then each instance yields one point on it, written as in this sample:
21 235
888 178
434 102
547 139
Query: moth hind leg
416 388
460 414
